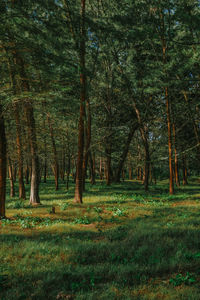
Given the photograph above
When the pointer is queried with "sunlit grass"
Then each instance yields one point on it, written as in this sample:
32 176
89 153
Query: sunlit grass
122 243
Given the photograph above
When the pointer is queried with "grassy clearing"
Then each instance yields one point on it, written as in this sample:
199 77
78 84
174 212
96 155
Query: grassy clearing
122 243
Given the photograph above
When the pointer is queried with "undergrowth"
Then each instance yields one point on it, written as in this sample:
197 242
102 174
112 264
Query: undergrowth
122 243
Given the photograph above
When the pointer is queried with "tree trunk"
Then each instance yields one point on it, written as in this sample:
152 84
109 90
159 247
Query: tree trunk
2 164
125 152
130 174
22 194
12 64
175 158
79 167
35 170
168 107
92 168
12 185
184 168
171 179
68 171
55 166
28 108
100 169
147 165
27 174
88 142
108 164
63 167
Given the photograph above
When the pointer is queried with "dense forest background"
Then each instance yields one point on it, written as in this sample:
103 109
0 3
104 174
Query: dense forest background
99 89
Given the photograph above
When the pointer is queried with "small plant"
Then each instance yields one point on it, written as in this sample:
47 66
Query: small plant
30 222
64 206
83 220
180 279
119 212
98 209
17 204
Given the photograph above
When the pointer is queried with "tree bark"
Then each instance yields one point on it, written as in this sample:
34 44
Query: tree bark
100 169
168 107
12 184
184 168
88 142
171 178
12 64
2 164
28 108
176 169
125 152
68 171
79 167
92 168
55 166
22 193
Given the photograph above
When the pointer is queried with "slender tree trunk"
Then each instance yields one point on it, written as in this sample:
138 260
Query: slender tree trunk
28 108
12 185
45 147
27 174
92 168
184 167
150 174
22 194
79 167
63 164
175 158
168 107
12 64
68 171
100 169
108 164
45 169
2 164
171 179
88 142
130 173
143 132
55 166
34 192
125 152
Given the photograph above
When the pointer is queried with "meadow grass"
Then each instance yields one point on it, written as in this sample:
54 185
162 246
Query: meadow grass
122 243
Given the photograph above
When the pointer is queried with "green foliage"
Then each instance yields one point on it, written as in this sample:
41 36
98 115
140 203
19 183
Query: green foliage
17 204
188 279
136 252
64 206
82 220
30 221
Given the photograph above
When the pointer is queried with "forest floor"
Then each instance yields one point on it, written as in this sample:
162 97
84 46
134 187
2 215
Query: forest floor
122 243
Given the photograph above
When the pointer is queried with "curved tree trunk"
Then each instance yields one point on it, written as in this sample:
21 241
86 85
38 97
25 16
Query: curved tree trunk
124 153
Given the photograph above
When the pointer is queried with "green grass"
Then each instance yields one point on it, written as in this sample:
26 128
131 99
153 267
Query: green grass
122 243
